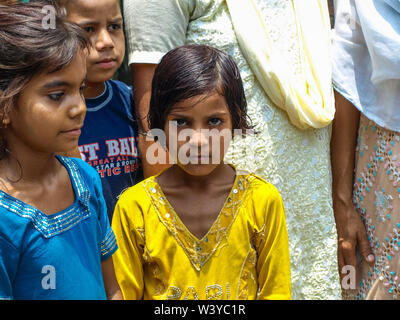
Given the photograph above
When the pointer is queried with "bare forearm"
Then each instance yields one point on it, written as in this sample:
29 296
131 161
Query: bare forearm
142 79
142 75
113 290
343 145
350 228
331 12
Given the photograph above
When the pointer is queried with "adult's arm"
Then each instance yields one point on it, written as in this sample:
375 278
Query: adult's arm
153 27
331 7
350 228
142 76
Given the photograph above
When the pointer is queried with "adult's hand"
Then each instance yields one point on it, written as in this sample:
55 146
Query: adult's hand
351 235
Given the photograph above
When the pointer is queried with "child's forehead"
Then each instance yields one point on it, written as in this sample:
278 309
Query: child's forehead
210 102
75 71
94 9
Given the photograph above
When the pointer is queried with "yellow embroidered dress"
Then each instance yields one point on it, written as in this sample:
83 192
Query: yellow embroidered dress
244 255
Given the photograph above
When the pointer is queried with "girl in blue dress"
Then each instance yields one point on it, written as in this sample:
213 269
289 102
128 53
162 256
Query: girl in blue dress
55 237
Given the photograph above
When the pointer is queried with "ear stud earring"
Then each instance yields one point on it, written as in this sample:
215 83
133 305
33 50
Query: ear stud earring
5 123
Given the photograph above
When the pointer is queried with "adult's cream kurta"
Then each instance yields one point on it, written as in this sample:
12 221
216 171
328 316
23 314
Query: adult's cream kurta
244 255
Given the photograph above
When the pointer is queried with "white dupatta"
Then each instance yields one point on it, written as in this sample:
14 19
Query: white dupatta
309 101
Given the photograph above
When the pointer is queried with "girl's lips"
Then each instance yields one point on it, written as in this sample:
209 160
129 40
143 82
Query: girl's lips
73 132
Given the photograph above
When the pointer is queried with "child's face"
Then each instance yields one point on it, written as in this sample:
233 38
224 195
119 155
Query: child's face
50 111
102 20
198 132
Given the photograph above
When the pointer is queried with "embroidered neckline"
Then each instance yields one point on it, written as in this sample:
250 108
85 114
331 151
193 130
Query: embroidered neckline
198 250
51 225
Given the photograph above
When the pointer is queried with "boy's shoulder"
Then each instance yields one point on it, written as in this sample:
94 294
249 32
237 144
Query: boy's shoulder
117 98
115 93
120 87
122 94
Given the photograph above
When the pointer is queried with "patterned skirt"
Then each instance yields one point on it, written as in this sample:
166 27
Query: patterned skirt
377 199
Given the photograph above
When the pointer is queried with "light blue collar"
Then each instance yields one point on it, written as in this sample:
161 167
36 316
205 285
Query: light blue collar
51 225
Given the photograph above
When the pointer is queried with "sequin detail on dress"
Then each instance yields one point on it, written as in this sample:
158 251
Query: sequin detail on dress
376 193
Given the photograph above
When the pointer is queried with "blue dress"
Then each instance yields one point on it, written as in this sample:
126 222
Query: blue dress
56 256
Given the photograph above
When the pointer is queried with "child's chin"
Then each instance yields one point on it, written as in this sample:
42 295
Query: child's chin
102 75
69 152
198 169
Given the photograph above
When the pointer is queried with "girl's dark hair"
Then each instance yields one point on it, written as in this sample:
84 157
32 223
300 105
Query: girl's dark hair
29 47
195 70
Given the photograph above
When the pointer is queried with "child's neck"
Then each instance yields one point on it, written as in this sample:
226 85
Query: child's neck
30 170
94 89
40 181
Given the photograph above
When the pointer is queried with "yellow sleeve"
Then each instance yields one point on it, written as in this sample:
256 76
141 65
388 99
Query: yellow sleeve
272 245
127 223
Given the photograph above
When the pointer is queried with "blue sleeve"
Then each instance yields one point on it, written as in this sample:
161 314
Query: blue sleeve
108 242
8 268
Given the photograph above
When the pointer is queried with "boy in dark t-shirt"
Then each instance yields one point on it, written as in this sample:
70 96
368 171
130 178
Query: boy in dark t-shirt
108 141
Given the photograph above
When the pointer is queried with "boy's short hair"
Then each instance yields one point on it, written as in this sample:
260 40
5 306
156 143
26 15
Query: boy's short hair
196 70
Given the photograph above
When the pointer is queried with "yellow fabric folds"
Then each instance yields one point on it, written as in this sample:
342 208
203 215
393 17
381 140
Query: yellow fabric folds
309 101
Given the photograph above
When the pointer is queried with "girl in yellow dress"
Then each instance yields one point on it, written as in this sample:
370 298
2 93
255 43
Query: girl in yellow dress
200 229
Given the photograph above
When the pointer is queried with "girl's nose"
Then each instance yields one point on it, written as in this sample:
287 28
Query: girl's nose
78 109
199 138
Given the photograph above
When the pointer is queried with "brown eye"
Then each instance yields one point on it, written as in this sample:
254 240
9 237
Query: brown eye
180 122
114 26
88 29
56 96
214 121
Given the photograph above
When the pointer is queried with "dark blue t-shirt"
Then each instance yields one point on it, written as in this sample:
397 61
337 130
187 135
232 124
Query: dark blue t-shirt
109 140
